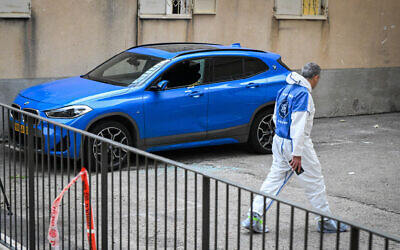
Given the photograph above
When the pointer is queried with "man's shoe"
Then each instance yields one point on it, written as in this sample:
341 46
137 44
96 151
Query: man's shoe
330 226
257 225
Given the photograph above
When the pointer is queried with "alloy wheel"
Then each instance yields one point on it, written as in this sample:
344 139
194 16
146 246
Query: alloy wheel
115 155
265 132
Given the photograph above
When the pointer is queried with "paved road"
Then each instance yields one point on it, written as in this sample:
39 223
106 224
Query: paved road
360 158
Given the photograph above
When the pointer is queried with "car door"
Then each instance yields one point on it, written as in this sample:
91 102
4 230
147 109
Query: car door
178 113
235 94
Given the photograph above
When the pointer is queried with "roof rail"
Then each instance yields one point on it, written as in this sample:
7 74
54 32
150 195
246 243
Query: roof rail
223 49
171 43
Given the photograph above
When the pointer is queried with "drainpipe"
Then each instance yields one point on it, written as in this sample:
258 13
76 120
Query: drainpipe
137 22
190 24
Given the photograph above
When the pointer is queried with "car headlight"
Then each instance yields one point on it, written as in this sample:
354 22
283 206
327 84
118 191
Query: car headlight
68 112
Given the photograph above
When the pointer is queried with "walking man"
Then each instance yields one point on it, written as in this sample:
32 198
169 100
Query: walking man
293 149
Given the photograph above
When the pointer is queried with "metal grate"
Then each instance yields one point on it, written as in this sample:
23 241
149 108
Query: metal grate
311 7
178 7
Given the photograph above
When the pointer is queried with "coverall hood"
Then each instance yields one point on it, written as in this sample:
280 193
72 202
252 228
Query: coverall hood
296 78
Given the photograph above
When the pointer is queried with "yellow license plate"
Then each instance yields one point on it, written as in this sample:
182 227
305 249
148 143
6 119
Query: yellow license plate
21 128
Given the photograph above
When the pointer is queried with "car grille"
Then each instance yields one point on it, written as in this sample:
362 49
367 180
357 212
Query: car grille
14 114
17 116
32 111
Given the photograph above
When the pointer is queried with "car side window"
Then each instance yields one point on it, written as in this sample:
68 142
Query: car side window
229 68
187 73
253 66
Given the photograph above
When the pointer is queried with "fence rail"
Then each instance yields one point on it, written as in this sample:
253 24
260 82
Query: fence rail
140 200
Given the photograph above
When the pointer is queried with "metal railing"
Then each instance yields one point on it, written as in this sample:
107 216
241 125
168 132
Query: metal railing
145 201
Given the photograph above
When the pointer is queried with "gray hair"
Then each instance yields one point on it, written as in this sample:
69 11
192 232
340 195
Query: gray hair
310 70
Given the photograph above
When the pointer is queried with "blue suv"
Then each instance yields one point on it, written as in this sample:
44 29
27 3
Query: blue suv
166 96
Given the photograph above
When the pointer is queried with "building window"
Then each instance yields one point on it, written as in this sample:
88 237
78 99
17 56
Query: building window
174 9
15 8
301 9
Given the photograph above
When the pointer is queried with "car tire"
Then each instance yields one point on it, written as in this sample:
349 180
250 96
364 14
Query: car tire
262 131
112 130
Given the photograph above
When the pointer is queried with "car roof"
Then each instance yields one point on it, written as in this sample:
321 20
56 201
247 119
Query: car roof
172 50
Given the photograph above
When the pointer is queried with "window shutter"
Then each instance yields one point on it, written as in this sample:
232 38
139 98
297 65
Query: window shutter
204 6
153 7
15 8
288 7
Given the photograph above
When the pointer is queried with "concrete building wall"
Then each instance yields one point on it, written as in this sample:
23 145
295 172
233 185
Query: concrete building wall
357 46
65 38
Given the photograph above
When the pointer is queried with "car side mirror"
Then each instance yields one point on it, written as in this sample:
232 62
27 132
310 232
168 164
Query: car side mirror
162 85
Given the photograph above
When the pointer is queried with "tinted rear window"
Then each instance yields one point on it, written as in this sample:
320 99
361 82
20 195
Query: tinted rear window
253 66
229 68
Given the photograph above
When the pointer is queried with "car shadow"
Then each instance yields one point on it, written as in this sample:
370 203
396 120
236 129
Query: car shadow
203 153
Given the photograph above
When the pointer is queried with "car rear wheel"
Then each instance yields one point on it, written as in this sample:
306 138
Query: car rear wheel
114 131
262 132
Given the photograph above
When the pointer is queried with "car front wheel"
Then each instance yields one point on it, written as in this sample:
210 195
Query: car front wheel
114 131
262 132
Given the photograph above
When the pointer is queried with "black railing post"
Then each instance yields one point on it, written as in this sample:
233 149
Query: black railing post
354 238
31 182
206 214
104 195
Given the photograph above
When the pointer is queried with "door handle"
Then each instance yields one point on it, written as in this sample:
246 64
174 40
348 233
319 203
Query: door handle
252 85
195 94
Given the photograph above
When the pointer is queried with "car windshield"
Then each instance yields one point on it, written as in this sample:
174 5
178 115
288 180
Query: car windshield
125 69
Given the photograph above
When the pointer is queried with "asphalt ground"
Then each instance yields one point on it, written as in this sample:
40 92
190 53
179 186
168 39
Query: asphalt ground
360 161
360 158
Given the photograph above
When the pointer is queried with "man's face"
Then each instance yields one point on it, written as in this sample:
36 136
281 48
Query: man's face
314 81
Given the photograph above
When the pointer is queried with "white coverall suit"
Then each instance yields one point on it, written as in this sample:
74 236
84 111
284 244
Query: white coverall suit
293 116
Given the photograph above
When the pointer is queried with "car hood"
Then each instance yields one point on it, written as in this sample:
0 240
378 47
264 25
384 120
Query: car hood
68 90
